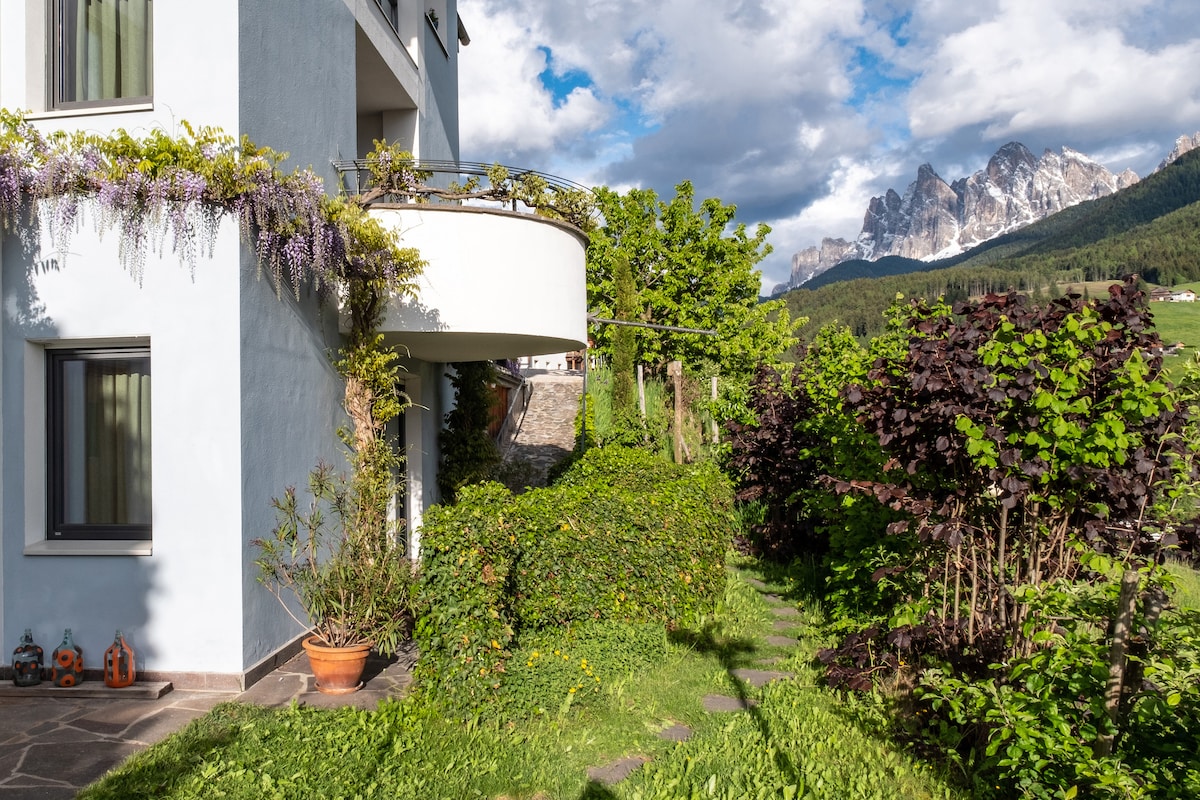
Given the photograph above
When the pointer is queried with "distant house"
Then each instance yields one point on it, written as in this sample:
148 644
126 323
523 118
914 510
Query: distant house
1162 294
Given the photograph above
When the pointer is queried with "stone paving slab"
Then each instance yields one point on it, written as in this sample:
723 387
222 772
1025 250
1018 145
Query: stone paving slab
786 611
783 625
40 793
718 703
616 771
756 583
157 727
761 677
675 733
83 765
781 641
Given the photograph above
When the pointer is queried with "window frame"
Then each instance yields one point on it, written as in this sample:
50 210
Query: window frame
57 530
57 73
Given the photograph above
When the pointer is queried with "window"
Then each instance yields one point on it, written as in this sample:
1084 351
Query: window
102 52
98 431
391 10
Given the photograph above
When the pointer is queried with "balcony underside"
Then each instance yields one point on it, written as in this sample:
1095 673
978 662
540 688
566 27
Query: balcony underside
497 284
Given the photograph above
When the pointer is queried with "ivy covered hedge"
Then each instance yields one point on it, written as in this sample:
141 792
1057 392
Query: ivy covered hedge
623 537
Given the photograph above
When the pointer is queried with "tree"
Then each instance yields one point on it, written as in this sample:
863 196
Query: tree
468 453
691 270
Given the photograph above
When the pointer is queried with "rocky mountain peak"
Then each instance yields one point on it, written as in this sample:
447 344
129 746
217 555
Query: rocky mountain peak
1011 160
933 219
1183 144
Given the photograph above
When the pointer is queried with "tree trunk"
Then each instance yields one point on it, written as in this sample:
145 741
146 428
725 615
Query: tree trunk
1122 622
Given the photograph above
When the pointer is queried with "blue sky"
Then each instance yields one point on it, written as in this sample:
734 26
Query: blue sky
799 111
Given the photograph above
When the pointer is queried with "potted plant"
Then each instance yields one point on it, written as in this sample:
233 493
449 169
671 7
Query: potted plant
339 563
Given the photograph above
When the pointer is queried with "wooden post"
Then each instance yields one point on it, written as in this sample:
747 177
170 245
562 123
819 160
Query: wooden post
675 370
641 378
715 438
583 428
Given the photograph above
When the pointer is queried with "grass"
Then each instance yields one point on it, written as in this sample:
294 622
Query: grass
1186 593
659 414
798 741
1176 322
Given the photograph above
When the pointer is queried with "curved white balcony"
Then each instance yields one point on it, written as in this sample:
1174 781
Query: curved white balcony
497 284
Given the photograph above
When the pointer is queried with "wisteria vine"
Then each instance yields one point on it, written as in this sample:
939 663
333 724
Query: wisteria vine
159 187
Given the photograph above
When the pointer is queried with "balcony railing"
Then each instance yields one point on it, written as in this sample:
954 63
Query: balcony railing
463 183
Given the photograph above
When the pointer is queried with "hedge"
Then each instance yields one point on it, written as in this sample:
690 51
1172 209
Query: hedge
623 537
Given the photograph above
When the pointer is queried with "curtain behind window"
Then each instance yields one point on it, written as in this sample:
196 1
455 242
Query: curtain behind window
107 442
106 49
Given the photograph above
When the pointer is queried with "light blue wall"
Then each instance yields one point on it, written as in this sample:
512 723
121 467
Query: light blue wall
297 93
297 80
439 121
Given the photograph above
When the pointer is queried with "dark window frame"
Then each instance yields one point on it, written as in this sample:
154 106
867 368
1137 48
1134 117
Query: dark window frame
57 70
57 528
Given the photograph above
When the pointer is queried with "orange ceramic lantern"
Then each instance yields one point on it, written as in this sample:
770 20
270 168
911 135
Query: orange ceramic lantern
118 664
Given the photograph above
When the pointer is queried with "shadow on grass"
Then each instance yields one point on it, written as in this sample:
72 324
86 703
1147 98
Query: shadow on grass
157 771
803 579
733 654
597 791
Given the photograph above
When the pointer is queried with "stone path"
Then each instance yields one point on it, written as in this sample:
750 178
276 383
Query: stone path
53 742
786 618
546 433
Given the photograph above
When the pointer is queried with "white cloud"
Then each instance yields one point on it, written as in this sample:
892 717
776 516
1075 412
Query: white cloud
504 109
751 99
1036 66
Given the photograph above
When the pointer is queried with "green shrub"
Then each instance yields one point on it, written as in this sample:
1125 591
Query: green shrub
625 537
464 623
1030 728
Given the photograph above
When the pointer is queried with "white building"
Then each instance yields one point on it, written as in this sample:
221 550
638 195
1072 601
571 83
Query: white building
243 400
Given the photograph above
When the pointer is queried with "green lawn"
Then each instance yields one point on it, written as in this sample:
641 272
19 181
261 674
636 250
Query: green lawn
798 741
1179 322
1176 322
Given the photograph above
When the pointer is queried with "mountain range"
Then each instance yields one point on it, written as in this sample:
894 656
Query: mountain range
1151 229
935 220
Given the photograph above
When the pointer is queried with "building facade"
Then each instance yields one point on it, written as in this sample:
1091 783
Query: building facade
221 389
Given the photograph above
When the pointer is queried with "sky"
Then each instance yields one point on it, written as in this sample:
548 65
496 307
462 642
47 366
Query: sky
799 111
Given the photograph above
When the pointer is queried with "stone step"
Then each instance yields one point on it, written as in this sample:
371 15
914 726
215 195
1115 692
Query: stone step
91 690
717 703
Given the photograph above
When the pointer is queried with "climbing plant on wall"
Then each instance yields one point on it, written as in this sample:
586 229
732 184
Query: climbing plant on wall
160 188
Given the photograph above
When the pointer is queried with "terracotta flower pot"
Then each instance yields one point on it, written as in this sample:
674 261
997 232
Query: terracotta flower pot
338 670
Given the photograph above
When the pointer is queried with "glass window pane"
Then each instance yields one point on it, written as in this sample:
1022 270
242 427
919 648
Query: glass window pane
101 438
104 49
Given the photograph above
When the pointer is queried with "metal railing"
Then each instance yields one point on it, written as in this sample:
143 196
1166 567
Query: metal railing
356 174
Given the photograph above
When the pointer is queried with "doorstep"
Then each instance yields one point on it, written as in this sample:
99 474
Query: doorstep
89 690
